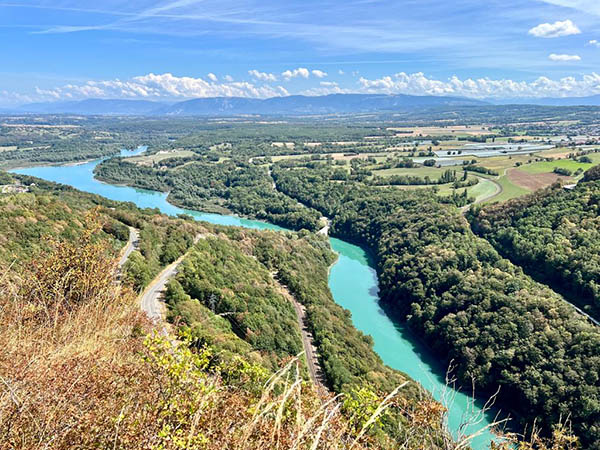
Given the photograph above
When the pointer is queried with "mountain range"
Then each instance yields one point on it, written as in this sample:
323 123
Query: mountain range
230 106
290 105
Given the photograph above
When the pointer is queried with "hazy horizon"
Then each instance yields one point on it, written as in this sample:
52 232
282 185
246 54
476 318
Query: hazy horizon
175 50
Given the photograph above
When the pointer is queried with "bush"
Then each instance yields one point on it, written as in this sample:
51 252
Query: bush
592 174
562 171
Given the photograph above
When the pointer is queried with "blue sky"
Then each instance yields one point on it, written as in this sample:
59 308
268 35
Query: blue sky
177 49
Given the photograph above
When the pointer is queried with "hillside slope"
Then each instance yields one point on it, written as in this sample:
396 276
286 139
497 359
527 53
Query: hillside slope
81 366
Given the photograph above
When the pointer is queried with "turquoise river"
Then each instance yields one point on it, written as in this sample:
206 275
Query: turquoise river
353 283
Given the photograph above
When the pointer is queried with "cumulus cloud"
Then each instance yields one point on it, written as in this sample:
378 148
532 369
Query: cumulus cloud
160 86
170 87
299 72
212 77
554 30
263 76
13 98
302 72
228 78
563 57
419 84
341 72
326 88
594 43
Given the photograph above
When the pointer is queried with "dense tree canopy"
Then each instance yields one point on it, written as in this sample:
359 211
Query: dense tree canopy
216 187
554 235
499 326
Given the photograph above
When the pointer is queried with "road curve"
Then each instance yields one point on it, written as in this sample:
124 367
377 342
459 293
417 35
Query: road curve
150 298
498 190
132 243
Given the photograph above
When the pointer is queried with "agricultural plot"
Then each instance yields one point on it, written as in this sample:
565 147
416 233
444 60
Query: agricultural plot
149 160
459 130
534 181
549 166
509 190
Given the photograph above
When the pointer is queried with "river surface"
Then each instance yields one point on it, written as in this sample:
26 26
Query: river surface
353 284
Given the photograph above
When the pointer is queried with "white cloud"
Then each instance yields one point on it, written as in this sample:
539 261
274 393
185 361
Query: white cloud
170 87
228 78
554 30
159 86
563 57
263 76
8 98
212 77
302 72
326 88
594 43
299 72
419 84
341 72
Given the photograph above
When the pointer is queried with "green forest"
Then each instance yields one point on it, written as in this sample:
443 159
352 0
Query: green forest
477 309
216 187
554 234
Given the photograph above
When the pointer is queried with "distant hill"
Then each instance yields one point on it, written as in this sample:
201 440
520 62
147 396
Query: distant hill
94 107
290 105
300 104
593 100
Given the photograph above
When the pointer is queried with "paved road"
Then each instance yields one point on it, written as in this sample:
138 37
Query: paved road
312 361
498 190
150 298
132 243
583 313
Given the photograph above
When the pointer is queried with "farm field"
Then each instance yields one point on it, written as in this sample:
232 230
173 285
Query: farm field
509 190
466 130
534 181
548 166
486 188
161 155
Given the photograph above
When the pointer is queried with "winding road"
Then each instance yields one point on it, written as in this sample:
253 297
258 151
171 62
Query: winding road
312 361
150 299
497 190
132 244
